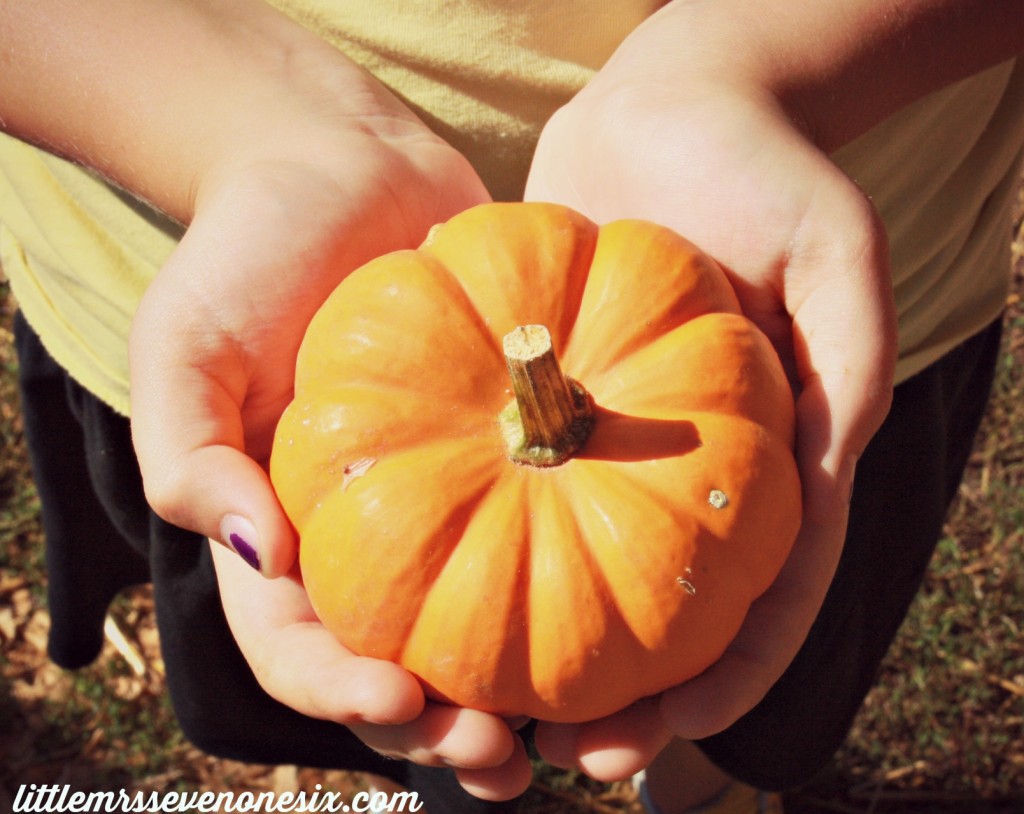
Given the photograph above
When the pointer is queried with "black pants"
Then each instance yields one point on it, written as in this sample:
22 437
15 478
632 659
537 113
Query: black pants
102 537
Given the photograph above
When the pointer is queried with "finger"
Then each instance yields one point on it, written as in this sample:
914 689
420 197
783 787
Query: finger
612 748
331 683
619 746
380 701
444 736
272 622
189 386
503 782
845 335
556 743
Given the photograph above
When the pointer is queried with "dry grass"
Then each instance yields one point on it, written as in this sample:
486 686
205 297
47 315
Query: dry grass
942 732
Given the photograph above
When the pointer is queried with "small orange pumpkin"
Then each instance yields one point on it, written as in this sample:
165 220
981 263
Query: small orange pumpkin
564 547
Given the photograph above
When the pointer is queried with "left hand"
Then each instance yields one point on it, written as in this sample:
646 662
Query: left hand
678 136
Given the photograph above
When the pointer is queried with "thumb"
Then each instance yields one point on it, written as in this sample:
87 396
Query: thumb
845 340
189 383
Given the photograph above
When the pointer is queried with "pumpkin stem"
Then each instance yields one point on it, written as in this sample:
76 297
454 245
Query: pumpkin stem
552 415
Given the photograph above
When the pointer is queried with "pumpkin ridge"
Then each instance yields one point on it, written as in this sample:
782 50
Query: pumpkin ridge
572 305
535 221
437 539
464 513
375 319
643 280
472 311
402 390
342 451
656 502
721 436
619 619
688 590
648 344
579 666
741 385
431 643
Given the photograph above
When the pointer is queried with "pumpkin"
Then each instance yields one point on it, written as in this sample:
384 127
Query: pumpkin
544 465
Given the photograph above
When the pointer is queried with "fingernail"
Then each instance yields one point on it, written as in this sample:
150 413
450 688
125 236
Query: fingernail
241 535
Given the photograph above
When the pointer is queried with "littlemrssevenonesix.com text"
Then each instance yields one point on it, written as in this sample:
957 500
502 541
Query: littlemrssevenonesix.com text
58 798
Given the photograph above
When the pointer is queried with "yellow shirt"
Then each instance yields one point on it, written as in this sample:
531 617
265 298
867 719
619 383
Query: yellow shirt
944 173
486 75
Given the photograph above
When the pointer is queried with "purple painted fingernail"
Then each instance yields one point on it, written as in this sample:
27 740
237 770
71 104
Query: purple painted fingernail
241 534
245 551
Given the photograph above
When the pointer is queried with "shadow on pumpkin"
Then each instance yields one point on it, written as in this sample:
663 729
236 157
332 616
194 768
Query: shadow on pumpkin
620 437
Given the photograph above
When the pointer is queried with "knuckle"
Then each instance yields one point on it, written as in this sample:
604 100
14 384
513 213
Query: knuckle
166 488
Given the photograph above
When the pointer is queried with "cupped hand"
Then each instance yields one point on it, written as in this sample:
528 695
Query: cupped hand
716 157
276 227
277 224
380 702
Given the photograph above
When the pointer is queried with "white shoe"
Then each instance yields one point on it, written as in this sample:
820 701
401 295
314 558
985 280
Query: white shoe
736 798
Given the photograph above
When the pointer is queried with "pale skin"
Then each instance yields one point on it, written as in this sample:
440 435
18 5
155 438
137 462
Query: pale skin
291 166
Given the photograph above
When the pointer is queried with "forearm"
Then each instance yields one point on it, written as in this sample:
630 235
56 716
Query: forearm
838 68
157 95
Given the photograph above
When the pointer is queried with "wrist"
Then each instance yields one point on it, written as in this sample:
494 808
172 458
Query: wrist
158 97
832 75
304 107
